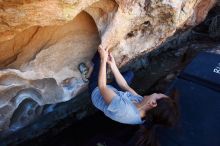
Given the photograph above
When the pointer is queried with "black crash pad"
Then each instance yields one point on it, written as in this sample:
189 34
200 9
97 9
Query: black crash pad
199 102
205 70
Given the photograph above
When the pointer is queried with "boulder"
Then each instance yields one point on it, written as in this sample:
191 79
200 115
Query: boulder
42 42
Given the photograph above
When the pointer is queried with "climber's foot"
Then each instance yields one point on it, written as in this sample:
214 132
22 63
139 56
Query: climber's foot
84 71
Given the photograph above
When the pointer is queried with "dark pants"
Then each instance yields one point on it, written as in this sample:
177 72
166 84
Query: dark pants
93 80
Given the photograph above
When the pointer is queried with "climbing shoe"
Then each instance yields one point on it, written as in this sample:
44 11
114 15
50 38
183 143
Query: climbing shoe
84 71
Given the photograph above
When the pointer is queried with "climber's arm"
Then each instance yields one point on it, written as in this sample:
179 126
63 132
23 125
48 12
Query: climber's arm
118 76
107 93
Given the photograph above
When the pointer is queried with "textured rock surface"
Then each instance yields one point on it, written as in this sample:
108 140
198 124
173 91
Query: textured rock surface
42 42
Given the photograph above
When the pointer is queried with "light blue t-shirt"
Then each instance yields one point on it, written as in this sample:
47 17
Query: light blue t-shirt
121 108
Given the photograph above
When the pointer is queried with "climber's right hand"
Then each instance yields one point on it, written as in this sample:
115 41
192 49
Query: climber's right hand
111 60
103 53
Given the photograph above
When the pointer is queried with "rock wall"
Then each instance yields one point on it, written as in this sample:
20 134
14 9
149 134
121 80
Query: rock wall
42 42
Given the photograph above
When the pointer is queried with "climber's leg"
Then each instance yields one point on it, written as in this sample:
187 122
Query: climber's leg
93 79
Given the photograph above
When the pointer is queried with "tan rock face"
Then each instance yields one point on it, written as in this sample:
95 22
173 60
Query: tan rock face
42 42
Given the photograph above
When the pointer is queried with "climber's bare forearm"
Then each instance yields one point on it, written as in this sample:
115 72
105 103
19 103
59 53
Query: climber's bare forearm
102 74
121 80
118 76
107 93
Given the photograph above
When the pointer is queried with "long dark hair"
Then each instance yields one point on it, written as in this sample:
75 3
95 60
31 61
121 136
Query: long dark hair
165 114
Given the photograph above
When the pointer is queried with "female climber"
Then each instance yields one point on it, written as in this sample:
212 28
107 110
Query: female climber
121 103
